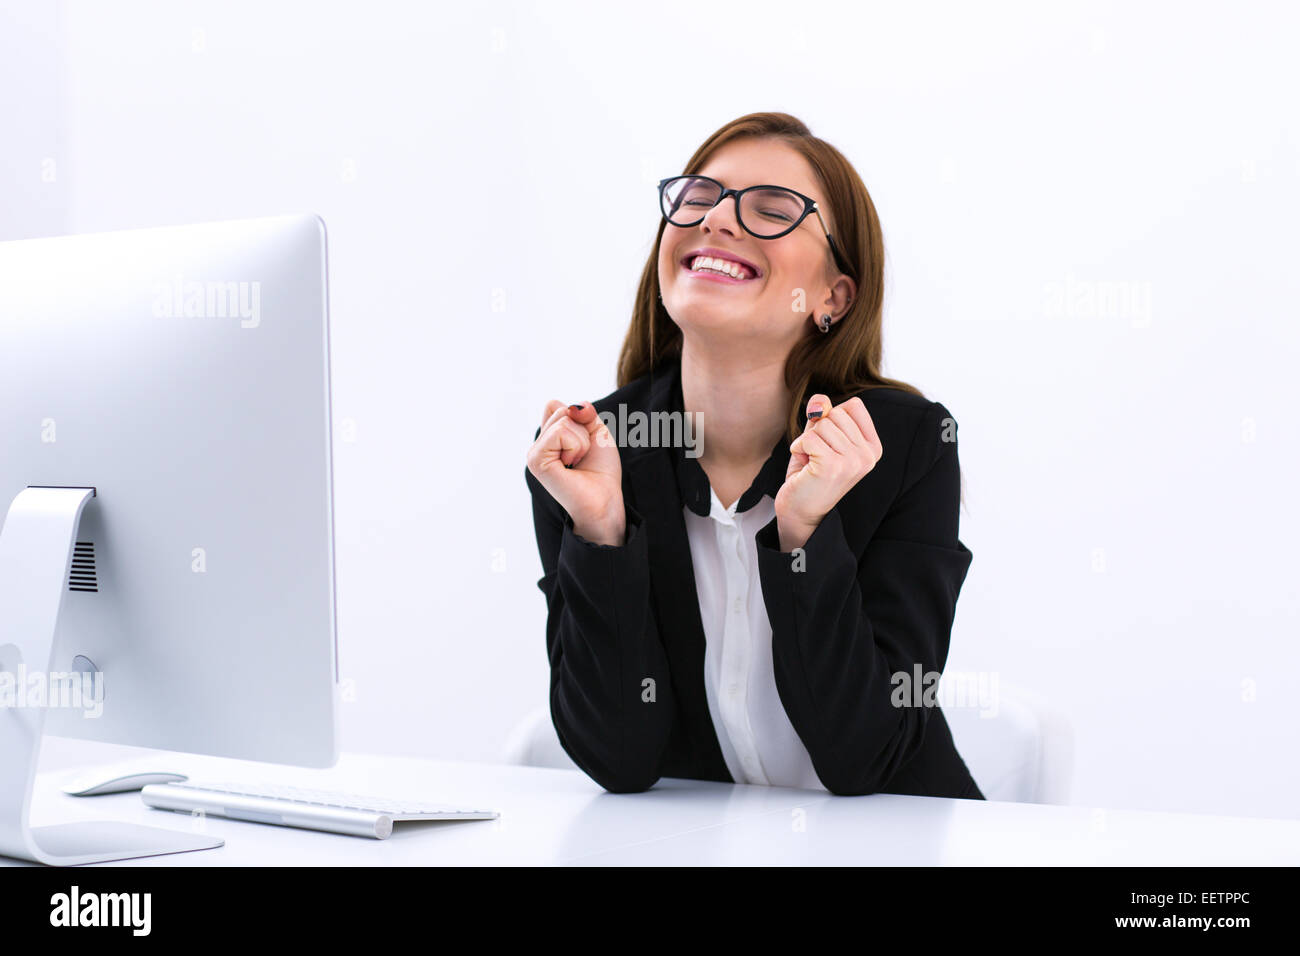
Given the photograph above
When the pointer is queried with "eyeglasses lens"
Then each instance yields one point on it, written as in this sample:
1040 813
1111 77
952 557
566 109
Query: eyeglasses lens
764 212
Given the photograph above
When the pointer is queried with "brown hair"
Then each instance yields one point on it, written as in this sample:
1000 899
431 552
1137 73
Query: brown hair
840 363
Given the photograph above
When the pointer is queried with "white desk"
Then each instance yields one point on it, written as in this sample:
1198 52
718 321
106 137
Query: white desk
553 817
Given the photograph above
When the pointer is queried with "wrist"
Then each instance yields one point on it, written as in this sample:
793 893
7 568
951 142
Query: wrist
609 528
793 532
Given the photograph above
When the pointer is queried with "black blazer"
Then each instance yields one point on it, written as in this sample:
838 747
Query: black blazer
876 597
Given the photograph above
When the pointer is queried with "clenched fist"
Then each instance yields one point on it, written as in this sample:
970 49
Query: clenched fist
838 447
576 459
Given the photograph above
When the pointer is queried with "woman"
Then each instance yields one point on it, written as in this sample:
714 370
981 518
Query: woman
770 604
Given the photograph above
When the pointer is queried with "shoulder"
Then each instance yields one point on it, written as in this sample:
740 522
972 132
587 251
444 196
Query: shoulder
635 395
904 414
898 404
915 431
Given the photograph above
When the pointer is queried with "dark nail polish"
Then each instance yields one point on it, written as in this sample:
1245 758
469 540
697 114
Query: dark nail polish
578 406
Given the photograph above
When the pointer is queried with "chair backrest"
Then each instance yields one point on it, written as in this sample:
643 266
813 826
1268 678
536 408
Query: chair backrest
1017 747
534 743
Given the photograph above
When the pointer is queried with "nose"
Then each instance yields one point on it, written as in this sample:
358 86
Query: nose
723 217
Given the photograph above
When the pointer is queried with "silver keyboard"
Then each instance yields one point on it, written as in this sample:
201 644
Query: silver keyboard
287 806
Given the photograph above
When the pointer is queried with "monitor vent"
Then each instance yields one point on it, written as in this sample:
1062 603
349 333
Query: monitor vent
83 577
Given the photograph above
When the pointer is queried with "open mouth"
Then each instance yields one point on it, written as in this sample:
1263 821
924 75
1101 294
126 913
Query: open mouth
716 266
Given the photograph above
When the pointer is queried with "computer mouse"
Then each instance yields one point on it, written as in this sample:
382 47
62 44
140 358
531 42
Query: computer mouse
95 786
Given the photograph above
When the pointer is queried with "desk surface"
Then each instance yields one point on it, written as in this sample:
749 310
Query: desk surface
551 817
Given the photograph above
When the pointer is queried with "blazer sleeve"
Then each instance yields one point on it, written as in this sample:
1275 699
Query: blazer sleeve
842 627
603 644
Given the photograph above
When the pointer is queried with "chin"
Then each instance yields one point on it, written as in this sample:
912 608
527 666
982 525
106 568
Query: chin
707 318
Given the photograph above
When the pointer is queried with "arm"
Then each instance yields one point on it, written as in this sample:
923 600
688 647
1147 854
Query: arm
842 628
602 641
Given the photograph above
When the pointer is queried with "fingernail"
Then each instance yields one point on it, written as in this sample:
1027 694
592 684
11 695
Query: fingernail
815 411
578 406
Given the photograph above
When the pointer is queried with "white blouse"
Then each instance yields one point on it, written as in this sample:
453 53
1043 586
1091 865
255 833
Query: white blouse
758 741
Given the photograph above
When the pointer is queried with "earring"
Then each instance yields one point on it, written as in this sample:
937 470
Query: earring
825 324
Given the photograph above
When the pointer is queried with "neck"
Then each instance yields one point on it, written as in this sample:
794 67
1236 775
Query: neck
743 403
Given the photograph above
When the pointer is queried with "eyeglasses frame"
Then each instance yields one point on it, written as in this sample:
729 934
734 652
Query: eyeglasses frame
809 206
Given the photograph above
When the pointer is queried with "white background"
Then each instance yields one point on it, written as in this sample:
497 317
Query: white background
1130 472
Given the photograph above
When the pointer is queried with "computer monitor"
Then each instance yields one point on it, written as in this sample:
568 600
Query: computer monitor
166 481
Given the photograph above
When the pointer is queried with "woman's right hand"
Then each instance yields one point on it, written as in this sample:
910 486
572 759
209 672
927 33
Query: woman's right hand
576 459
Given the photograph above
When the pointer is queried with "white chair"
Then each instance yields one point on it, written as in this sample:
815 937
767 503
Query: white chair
534 743
1022 754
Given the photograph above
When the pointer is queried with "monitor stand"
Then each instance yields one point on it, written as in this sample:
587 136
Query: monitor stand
36 545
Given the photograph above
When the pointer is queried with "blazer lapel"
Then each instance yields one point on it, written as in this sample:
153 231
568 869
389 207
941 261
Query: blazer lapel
672 583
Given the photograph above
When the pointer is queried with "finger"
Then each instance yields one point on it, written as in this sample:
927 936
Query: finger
817 408
859 413
830 432
811 444
553 411
548 416
847 424
573 440
585 414
797 460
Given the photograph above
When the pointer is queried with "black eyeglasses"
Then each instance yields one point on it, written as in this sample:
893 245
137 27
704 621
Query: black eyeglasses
765 212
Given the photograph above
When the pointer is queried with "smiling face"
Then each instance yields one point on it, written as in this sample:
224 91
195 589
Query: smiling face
750 300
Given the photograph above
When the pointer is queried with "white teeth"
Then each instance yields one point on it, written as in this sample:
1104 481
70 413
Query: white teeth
718 265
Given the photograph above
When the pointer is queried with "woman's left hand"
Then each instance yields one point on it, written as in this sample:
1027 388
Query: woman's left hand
836 450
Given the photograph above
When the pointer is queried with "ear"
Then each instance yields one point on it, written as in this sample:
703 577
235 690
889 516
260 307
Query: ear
842 293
